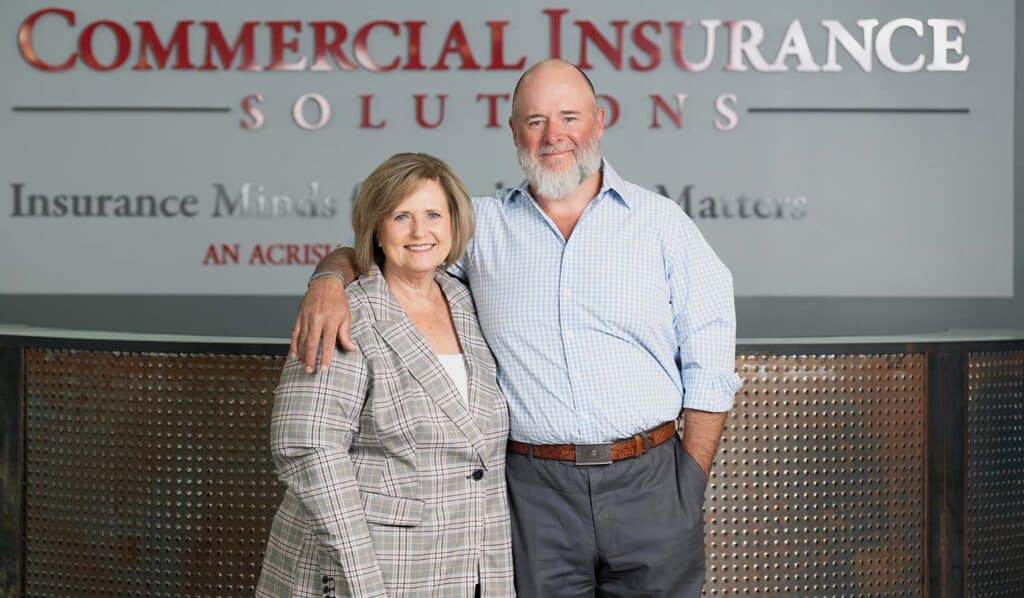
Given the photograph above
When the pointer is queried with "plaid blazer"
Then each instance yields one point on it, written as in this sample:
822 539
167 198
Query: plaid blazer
395 485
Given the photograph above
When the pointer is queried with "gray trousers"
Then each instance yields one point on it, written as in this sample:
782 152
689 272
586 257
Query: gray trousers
632 529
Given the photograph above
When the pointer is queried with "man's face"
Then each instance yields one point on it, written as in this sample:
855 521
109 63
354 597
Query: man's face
556 128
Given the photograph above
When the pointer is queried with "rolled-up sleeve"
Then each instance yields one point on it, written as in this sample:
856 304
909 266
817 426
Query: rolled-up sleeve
314 419
704 318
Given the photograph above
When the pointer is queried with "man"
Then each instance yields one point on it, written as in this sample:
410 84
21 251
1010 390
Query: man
608 315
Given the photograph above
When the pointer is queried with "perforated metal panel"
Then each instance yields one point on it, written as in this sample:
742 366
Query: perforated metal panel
818 488
147 474
995 474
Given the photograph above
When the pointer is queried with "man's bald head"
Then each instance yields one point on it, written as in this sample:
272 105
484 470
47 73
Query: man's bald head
555 67
556 127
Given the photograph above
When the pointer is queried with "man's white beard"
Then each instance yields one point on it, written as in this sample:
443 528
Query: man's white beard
559 184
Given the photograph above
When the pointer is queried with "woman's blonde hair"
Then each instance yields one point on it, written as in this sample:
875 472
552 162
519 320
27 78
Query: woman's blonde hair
389 184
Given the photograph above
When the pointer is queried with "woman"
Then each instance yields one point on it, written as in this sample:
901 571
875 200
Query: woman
394 455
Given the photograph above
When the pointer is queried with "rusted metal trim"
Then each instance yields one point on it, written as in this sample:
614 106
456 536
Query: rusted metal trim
12 468
947 429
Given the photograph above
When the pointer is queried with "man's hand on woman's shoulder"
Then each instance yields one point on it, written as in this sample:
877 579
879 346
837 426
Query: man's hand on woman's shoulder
324 317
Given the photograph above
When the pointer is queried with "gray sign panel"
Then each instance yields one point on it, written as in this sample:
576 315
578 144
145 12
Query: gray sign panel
828 149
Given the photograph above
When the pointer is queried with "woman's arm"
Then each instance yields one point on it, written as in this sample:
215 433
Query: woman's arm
314 420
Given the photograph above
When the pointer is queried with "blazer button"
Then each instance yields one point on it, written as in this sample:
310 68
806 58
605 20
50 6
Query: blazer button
478 475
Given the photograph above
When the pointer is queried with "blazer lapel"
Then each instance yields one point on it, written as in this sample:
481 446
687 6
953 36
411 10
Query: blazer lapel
415 354
474 348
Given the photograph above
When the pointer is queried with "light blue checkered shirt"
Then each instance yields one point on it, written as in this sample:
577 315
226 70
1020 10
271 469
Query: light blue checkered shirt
611 332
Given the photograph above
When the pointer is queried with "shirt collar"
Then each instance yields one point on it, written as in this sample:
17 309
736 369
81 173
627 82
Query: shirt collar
611 183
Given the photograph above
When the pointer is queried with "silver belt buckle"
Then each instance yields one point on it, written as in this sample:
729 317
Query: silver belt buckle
593 454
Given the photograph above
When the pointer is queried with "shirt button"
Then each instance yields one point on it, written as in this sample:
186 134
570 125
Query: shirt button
478 475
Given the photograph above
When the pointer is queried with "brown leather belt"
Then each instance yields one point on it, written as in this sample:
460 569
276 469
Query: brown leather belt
598 454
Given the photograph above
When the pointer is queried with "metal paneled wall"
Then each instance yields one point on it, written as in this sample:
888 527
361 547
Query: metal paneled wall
818 487
995 474
147 474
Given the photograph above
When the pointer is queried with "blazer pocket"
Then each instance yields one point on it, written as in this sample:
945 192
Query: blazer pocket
368 471
391 510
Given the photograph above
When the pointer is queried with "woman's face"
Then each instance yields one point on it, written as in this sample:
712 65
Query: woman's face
416 236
